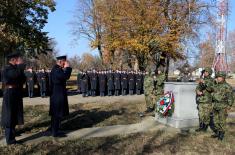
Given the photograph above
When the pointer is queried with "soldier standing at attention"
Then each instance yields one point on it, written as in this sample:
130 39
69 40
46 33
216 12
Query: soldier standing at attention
117 82
124 83
148 90
30 75
42 80
84 84
13 78
223 99
79 75
139 83
110 83
60 73
204 99
94 82
131 78
159 80
102 83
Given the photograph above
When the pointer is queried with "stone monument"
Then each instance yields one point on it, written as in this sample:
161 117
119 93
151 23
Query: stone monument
185 113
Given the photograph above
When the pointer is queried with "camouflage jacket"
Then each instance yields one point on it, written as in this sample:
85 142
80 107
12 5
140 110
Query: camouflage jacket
222 96
159 84
206 88
148 85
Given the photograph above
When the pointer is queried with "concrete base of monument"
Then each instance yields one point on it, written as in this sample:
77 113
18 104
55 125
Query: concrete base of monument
185 113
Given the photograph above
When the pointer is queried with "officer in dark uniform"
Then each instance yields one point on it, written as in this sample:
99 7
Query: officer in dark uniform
117 82
139 83
142 79
110 83
79 77
124 82
89 74
84 84
131 79
12 106
94 82
30 75
102 83
60 73
42 80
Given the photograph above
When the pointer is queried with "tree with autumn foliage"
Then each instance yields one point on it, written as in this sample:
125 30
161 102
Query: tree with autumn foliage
149 31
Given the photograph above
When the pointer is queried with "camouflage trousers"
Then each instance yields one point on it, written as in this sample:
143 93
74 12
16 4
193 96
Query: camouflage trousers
149 101
220 117
204 112
156 98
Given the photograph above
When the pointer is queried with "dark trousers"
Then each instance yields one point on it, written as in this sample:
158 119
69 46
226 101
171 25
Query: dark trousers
123 92
93 93
102 94
131 92
84 94
138 92
10 134
117 92
55 125
30 91
110 93
43 93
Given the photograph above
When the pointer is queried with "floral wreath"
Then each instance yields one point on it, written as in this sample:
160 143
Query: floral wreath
165 105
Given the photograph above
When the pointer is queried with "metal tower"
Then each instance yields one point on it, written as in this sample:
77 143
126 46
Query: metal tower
220 60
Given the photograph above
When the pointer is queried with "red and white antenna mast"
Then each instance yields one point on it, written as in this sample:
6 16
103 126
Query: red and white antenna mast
220 60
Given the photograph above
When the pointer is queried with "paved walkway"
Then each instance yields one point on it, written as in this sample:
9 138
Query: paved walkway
76 99
148 124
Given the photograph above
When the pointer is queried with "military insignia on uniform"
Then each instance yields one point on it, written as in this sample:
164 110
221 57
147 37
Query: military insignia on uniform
165 105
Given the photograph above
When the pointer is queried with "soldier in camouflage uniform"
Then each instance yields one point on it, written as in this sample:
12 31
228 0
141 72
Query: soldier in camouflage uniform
159 80
148 90
222 101
204 99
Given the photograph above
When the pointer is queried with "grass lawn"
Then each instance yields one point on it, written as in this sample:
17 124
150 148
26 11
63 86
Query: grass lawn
158 142
82 116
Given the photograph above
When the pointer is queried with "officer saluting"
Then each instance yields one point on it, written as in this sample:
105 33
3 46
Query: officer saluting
60 73
12 106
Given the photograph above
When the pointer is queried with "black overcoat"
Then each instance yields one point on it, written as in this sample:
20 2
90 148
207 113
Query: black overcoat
124 80
110 82
131 78
94 81
58 96
12 106
84 83
42 80
117 81
139 81
102 82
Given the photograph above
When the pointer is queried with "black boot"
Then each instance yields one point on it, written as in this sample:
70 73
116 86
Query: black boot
221 135
215 135
205 127
201 127
148 110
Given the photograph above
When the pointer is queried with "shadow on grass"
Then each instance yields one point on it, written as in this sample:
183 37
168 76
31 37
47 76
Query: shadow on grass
76 120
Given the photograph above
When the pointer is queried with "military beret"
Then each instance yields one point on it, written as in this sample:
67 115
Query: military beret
220 74
209 70
64 57
13 55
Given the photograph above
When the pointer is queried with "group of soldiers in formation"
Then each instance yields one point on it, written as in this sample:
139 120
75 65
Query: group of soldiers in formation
39 78
214 98
92 82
